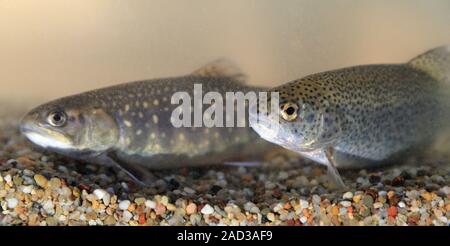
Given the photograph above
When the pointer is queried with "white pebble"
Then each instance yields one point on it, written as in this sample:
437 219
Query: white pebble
304 204
150 204
12 202
8 178
378 205
27 189
207 209
99 193
303 219
401 205
347 195
346 204
127 215
124 204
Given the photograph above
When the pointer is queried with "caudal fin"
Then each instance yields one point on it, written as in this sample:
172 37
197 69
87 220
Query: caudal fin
435 62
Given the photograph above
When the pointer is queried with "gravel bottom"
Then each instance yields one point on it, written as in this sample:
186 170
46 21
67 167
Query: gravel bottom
46 189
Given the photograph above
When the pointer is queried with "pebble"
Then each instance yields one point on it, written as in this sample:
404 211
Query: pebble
127 215
100 193
150 204
347 195
41 180
346 203
12 203
123 205
207 209
191 208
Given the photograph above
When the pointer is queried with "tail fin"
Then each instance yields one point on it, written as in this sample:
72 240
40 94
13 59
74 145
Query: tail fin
435 62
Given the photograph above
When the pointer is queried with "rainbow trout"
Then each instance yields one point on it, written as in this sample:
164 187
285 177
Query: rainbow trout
362 116
129 125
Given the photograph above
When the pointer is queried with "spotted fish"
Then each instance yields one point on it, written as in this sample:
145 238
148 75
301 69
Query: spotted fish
129 125
362 116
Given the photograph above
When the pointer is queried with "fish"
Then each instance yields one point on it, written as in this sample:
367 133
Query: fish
128 126
362 116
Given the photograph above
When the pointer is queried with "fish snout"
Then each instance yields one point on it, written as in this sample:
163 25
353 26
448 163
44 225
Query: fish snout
29 122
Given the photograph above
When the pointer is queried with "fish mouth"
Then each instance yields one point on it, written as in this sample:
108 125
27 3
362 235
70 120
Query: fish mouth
43 137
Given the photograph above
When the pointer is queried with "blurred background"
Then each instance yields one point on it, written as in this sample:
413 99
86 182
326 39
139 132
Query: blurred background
53 48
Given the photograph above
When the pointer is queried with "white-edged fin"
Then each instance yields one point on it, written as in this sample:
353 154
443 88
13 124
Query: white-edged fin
221 68
243 164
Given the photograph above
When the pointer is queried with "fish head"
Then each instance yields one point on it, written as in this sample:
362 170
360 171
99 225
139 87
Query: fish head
70 126
302 118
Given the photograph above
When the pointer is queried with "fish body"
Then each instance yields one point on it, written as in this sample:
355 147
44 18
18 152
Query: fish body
362 116
129 125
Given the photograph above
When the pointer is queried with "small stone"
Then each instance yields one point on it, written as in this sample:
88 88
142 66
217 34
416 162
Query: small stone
55 183
8 179
401 205
427 196
41 180
378 205
12 202
150 204
100 193
27 189
164 200
356 198
127 215
392 211
106 199
160 209
110 220
271 216
139 201
191 208
124 204
207 209
347 195
345 204
171 207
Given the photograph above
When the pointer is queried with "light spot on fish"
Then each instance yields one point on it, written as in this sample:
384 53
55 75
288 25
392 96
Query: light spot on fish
155 118
156 102
166 109
141 115
147 125
181 137
137 103
145 104
127 107
152 135
216 135
138 132
131 95
164 99
127 123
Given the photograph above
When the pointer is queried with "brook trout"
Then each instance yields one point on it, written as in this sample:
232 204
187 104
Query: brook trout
129 125
362 116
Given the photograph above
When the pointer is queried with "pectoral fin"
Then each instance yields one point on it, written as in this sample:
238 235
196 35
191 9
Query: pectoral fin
139 174
332 170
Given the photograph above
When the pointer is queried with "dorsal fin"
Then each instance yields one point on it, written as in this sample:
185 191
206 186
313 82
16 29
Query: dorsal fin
221 68
435 62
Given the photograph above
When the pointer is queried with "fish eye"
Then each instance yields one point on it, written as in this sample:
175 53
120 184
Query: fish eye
57 118
289 111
